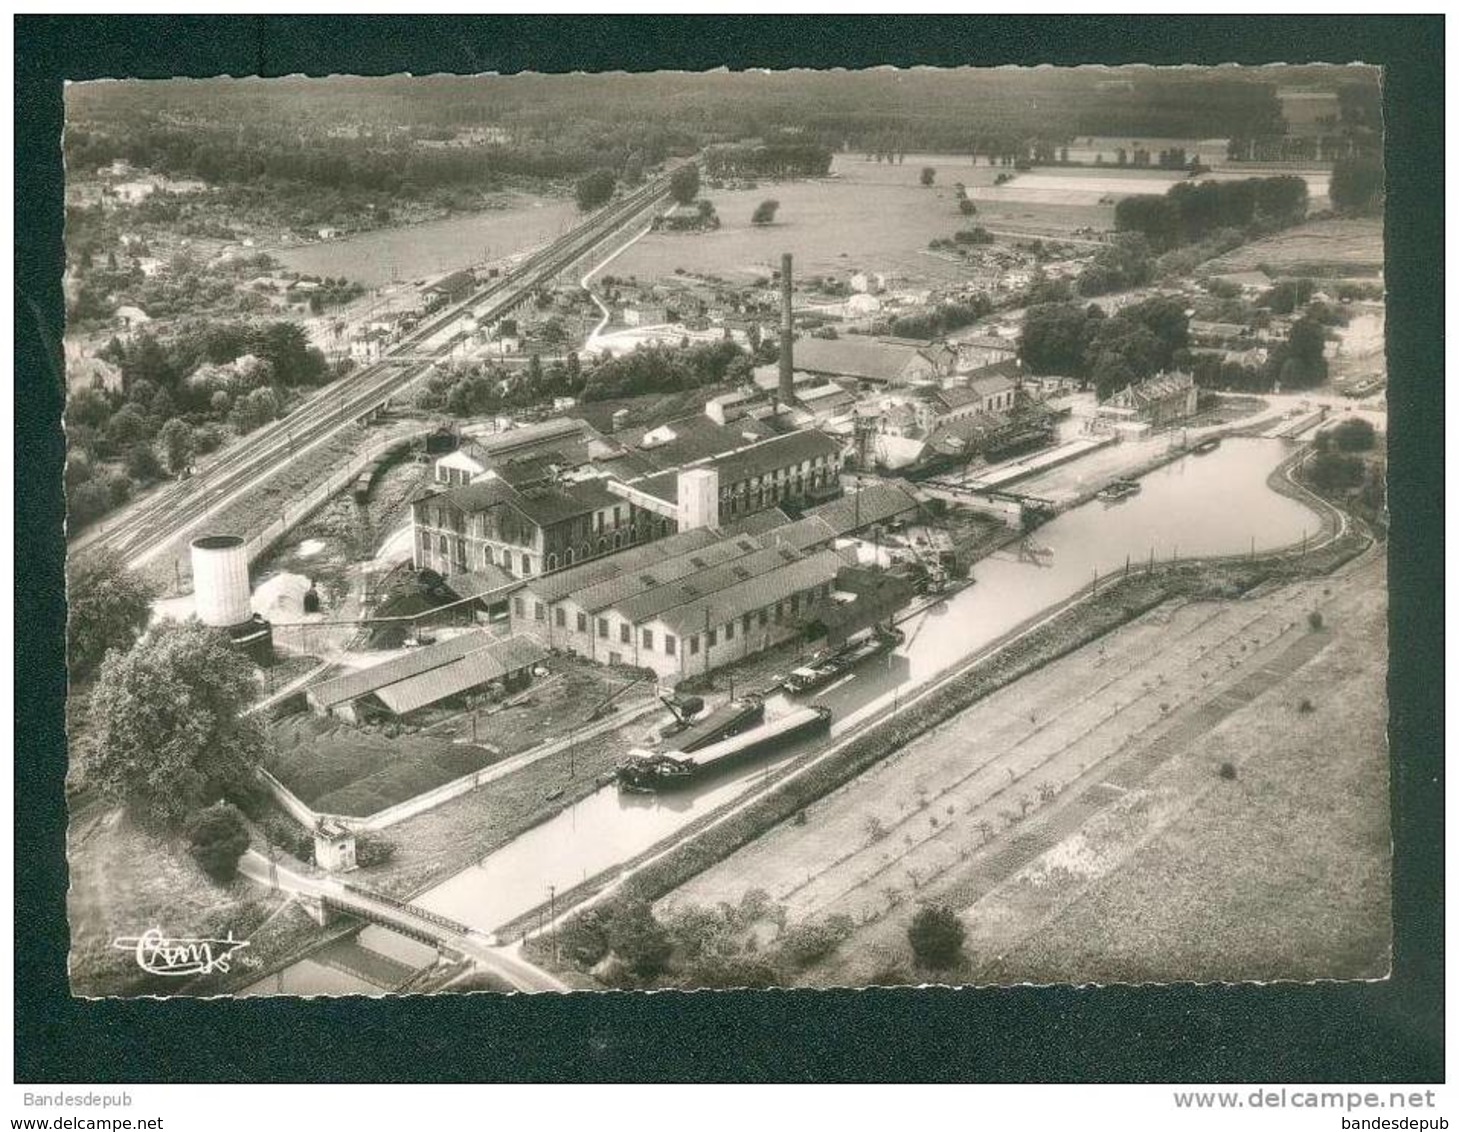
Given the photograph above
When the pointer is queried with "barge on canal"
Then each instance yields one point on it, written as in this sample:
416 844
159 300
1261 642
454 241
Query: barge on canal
646 772
723 722
1120 489
819 673
1210 444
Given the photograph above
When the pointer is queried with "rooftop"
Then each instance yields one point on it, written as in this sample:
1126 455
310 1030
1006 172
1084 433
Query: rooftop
859 357
492 662
753 460
657 600
874 504
628 585
755 593
353 685
560 583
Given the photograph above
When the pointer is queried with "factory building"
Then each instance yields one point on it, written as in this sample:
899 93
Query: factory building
525 530
799 469
702 597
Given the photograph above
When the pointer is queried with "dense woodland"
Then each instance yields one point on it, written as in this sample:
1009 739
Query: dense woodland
397 135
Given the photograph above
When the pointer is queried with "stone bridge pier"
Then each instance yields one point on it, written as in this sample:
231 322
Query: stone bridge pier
320 912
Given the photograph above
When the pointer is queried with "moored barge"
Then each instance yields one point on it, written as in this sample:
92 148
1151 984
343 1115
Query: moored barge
648 772
819 673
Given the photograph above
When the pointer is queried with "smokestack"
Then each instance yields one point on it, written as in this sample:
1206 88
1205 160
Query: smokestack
787 334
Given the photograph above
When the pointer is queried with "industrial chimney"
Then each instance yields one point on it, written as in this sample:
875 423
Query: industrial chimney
787 335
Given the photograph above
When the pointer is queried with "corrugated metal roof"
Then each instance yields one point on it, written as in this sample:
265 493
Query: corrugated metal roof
874 504
754 594
652 602
630 583
759 523
560 583
478 582
493 662
353 685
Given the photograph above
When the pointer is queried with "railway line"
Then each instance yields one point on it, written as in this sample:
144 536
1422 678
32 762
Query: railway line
155 522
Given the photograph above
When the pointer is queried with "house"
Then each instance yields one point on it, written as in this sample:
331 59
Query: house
450 288
1159 400
645 314
130 319
569 439
978 350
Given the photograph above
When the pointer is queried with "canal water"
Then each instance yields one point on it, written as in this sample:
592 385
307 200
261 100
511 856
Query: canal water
1214 504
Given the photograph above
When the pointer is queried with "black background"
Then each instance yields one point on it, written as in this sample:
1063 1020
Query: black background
1389 1031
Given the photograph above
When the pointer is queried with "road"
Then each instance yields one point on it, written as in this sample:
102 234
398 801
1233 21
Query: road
505 963
154 522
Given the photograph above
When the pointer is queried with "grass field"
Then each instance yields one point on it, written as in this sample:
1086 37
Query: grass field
1343 248
867 215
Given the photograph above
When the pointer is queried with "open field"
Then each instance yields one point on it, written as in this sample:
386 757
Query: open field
423 251
1342 248
1140 719
864 216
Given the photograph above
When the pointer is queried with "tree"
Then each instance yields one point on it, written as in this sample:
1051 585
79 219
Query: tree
936 935
142 464
928 175
967 207
594 189
128 426
171 736
107 608
217 838
765 212
1332 471
1357 184
177 444
256 410
684 184
1354 435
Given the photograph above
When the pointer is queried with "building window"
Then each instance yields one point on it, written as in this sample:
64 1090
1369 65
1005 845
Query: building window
526 564
587 550
603 627
779 612
794 604
441 545
519 607
670 643
711 638
539 611
486 556
694 645
552 562
582 622
507 561
648 639
745 622
729 630
559 617
617 539
602 546
625 634
763 618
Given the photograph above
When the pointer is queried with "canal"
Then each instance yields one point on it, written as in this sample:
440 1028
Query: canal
1214 504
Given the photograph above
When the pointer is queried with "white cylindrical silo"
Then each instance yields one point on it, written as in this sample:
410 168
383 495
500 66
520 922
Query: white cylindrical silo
220 580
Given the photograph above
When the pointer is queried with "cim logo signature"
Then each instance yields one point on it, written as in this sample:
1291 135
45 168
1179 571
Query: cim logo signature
159 955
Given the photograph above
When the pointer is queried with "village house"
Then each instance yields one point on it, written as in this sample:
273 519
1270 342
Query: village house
1160 400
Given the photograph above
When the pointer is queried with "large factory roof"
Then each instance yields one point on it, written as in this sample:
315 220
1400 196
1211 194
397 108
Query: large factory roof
630 583
492 662
874 504
754 593
353 685
560 583
658 600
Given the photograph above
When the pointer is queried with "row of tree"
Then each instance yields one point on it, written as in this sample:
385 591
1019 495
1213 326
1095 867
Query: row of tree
1192 210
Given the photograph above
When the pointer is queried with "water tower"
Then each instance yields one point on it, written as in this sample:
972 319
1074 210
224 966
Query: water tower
221 594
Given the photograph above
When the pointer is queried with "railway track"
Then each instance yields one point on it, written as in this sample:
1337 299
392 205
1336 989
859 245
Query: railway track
154 523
